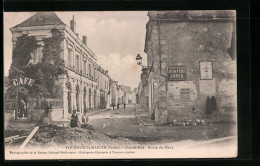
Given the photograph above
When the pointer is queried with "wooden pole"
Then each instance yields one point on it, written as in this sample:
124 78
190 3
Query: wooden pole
29 137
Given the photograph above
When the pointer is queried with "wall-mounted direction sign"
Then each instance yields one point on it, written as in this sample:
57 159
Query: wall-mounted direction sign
23 81
205 70
176 73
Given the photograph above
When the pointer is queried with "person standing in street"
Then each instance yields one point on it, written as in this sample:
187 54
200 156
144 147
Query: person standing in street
113 105
213 104
74 119
208 106
117 105
85 118
45 116
124 105
22 108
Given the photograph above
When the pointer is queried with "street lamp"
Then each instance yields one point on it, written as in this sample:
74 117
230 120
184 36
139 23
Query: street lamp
139 59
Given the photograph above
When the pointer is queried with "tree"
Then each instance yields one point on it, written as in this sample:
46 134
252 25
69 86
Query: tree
52 64
44 73
25 45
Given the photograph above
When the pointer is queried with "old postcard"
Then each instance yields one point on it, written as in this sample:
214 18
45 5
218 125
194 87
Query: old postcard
120 84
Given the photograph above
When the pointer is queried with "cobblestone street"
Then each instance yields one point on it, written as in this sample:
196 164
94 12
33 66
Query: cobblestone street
125 123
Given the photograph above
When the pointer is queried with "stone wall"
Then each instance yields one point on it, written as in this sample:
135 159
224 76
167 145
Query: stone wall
187 43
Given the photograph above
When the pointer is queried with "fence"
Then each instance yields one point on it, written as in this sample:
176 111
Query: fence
9 105
34 104
38 103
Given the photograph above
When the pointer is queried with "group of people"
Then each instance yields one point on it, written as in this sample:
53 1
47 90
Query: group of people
113 105
75 119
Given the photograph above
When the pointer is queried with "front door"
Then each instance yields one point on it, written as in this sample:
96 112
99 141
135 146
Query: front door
69 102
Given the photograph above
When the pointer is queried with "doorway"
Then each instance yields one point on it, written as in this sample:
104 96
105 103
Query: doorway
77 98
84 100
89 98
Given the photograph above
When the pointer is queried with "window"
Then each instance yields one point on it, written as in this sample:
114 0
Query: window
94 73
185 94
84 68
89 70
69 56
77 63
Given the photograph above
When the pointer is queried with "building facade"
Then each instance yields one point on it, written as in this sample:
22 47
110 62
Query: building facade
103 88
190 56
85 85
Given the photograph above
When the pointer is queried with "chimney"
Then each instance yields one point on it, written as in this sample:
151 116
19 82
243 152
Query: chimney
73 25
84 39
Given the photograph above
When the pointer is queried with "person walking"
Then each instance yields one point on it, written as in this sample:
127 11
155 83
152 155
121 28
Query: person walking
113 105
117 105
124 105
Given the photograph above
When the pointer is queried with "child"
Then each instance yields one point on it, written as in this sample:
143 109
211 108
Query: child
84 118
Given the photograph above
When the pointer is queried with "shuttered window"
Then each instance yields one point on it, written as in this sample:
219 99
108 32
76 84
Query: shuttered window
185 94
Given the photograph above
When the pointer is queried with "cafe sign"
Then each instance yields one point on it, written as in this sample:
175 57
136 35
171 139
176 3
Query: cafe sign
176 73
23 81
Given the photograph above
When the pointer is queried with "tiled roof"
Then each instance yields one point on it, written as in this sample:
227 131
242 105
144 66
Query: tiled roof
40 19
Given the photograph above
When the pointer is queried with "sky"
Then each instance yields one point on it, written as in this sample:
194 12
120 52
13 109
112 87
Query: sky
116 37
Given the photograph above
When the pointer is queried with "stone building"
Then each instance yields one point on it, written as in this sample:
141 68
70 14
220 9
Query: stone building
113 92
126 94
191 56
103 88
120 99
143 89
86 84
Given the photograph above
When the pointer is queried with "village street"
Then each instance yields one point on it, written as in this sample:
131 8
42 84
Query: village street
136 126
175 73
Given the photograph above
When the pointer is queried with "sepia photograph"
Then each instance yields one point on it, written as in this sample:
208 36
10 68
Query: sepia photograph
120 84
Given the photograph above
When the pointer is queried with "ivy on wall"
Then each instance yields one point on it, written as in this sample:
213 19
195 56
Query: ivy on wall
25 45
44 73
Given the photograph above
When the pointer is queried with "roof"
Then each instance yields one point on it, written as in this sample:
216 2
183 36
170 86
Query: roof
192 14
40 19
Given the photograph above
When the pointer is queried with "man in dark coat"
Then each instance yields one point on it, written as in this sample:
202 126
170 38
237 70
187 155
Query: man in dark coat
208 106
74 119
22 107
213 104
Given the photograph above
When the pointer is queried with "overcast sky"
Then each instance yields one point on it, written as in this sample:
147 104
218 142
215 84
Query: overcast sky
115 37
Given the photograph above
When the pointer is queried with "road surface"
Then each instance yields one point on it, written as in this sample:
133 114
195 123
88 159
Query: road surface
123 123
